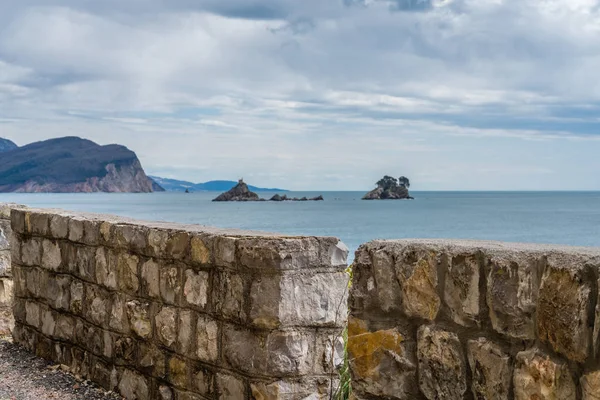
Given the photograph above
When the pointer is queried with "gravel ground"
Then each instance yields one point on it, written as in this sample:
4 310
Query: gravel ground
26 377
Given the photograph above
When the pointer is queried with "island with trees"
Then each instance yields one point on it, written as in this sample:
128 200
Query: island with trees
390 188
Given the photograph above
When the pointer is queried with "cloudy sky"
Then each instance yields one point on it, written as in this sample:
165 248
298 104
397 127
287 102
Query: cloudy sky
316 94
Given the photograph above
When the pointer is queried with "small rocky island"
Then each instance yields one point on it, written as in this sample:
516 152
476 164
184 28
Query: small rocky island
390 188
241 192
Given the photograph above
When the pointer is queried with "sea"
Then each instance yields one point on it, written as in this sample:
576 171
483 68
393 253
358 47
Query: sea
571 218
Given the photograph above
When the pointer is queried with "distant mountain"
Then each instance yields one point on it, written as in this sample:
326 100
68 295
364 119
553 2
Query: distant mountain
6 145
72 164
174 185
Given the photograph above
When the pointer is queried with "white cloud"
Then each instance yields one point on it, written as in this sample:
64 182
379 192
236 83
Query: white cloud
323 94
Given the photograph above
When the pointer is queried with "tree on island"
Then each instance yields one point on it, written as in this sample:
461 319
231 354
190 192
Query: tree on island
389 187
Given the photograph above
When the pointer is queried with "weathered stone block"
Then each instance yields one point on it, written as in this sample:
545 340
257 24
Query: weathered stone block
512 292
231 299
384 281
207 333
380 362
244 350
185 332
461 291
65 326
48 320
91 232
76 298
19 221
178 245
491 370
106 271
58 291
178 372
265 295
200 250
5 267
564 309
59 226
139 318
195 289
150 279
157 241
86 263
118 313
225 251
416 270
127 273
230 387
31 252
39 223
166 326
203 382
590 384
170 284
97 304
537 376
442 369
290 353
130 237
125 351
134 386
152 360
75 230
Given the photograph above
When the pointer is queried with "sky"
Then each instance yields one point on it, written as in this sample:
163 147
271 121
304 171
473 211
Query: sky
315 94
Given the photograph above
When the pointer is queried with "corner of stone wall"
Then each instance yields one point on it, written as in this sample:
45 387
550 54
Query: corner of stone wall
453 320
163 311
6 279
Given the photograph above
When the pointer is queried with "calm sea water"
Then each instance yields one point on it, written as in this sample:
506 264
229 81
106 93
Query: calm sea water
542 217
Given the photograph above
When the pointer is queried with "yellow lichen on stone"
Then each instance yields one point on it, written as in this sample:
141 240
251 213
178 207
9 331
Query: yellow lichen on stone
367 349
200 252
420 297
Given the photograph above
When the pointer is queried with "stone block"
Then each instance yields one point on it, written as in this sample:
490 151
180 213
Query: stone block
231 302
195 289
381 363
150 279
170 284
512 292
178 372
59 226
19 221
203 382
65 326
442 368
20 282
384 281
48 321
134 386
125 350
491 370
106 271
186 332
244 350
58 292
416 270
166 326
157 241
461 291
91 232
590 385
178 245
138 314
75 230
5 266
39 224
330 349
225 251
97 304
200 250
564 308
152 360
118 319
537 376
86 263
127 273
290 353
292 300
130 237
76 298
165 393
230 388
207 339
34 279
31 252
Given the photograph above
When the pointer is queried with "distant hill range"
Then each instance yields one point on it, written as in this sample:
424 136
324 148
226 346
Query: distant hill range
71 164
173 185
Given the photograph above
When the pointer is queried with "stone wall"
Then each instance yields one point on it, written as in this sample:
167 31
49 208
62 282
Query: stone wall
160 311
6 281
473 320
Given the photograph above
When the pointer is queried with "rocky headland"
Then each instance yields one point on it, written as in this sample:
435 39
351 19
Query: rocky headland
390 188
72 164
241 192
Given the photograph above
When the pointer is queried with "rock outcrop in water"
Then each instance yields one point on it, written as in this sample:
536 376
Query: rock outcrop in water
389 188
239 192
72 164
